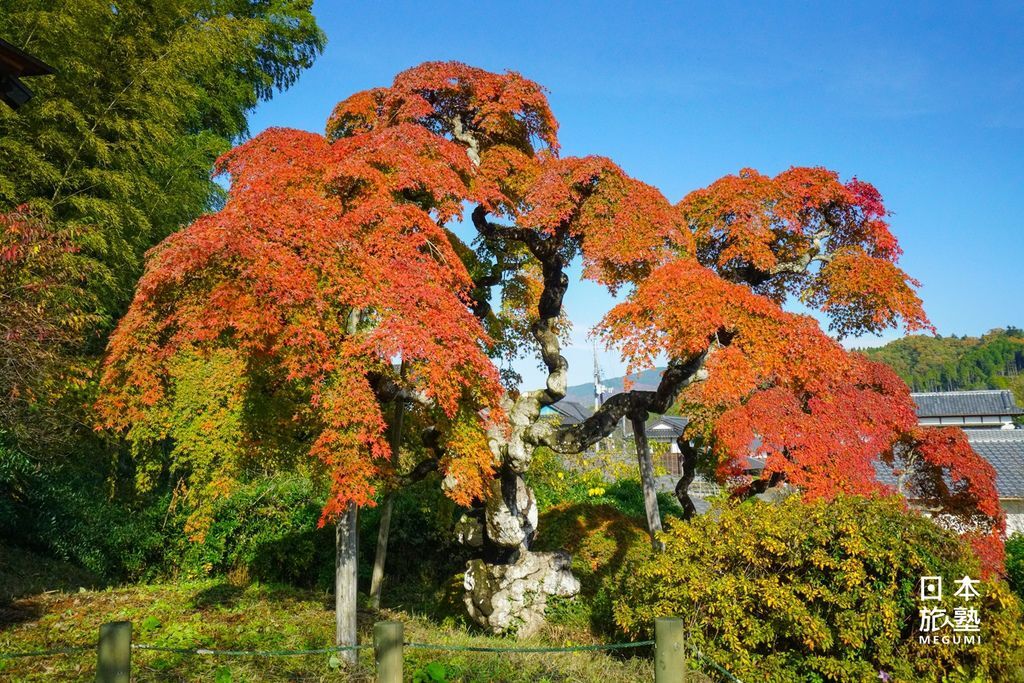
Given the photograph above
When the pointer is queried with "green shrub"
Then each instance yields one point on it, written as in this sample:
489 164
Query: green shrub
59 512
1015 563
266 530
422 547
816 592
554 485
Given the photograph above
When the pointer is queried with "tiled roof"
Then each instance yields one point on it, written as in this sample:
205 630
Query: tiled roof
958 403
571 411
1004 448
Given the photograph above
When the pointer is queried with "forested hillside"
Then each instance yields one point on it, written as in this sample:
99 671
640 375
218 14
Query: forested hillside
993 361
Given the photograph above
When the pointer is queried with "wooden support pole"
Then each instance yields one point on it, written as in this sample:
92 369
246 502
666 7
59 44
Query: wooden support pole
669 650
388 637
114 653
377 577
646 463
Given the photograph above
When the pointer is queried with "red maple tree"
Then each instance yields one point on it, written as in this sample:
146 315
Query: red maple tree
331 260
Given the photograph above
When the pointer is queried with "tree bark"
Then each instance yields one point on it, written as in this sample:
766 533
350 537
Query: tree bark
345 586
377 578
643 456
689 461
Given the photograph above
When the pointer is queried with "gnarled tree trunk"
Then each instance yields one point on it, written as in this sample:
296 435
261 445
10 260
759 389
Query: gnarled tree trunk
508 587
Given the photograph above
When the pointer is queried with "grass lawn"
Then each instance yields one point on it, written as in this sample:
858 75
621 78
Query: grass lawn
216 614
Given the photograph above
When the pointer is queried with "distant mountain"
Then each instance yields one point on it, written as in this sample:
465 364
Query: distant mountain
584 393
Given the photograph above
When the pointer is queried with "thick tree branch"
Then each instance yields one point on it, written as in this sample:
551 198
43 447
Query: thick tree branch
549 252
817 251
679 374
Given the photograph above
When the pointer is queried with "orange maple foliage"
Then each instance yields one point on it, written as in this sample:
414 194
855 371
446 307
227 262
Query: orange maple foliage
314 237
331 259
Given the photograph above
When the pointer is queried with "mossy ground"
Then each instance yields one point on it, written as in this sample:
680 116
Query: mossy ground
218 614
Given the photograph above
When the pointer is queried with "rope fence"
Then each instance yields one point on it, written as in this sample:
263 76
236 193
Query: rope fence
570 648
114 650
716 666
251 653
48 653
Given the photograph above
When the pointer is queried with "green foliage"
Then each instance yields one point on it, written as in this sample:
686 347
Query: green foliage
423 551
1015 563
266 531
434 672
600 537
55 511
554 485
113 154
117 145
822 591
993 361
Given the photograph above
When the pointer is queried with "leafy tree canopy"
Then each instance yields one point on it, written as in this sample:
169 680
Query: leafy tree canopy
330 261
116 147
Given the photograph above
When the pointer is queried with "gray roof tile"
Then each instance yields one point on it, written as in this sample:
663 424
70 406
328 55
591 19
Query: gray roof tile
668 424
1004 448
571 411
953 403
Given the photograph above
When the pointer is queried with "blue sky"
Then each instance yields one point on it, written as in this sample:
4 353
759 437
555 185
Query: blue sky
925 100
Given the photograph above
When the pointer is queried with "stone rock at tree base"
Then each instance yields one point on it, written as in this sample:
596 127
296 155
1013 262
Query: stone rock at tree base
469 532
511 598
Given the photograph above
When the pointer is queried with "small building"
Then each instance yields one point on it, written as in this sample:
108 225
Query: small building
666 429
987 409
15 65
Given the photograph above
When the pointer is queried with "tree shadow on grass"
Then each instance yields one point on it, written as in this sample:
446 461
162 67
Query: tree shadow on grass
24 573
19 612
601 539
220 595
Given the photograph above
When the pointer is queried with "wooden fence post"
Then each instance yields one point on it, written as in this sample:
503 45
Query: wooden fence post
114 652
388 638
669 650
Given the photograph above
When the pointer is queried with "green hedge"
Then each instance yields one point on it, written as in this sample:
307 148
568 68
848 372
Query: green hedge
819 592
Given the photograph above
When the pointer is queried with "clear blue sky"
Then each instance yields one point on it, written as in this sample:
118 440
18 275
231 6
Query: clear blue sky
925 100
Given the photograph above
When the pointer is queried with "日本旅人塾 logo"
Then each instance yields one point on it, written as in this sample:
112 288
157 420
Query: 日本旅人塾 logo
957 622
